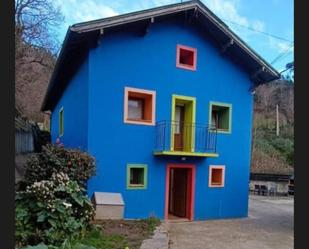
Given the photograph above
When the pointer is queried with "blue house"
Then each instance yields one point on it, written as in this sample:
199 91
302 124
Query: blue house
163 98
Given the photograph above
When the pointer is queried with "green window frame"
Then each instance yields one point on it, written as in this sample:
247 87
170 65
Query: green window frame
61 121
142 178
226 118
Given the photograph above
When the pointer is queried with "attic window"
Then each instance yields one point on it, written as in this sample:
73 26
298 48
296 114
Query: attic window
216 176
139 106
186 57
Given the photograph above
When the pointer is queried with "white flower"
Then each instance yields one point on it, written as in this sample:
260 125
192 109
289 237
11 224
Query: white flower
67 204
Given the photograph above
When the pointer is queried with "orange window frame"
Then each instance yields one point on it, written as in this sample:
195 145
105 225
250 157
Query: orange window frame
149 108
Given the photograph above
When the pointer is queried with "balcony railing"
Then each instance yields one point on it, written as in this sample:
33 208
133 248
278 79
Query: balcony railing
185 137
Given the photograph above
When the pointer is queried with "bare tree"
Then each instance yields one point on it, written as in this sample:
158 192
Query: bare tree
36 23
36 46
279 93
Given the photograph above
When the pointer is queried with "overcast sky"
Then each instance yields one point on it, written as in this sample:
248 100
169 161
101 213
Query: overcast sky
275 17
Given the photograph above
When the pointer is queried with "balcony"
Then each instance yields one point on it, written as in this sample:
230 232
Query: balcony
185 139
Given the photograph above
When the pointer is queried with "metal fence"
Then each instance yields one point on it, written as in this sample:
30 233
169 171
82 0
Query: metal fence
185 137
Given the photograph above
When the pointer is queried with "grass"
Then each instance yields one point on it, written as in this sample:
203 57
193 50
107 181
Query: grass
110 234
115 234
96 239
152 223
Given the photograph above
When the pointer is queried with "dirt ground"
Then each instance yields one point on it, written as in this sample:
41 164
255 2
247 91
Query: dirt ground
134 232
269 226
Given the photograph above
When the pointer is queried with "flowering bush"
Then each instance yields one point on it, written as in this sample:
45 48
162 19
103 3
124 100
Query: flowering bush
78 165
51 211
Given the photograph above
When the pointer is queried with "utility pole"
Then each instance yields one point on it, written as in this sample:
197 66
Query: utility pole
277 117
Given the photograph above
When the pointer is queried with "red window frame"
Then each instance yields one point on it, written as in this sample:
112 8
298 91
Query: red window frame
179 50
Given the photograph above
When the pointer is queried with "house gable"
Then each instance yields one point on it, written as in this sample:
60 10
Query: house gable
84 35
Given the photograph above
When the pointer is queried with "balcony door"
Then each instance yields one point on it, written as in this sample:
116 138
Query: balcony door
183 124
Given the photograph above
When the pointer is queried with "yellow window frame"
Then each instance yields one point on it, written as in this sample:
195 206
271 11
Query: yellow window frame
189 118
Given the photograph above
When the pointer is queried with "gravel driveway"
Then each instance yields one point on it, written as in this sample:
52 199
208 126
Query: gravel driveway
269 226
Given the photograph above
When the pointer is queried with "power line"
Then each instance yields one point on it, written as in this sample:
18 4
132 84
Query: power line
285 70
258 31
283 53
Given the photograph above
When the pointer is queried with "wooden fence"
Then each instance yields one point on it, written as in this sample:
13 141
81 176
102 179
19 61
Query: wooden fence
24 140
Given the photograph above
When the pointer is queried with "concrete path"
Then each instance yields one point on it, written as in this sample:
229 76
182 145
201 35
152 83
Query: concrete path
269 226
159 239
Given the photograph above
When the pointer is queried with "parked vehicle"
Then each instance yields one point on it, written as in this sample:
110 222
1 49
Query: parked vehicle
291 186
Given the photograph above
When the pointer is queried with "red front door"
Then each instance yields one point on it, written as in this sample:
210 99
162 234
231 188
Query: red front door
180 181
178 192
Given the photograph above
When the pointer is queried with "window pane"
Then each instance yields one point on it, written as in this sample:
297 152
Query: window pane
137 176
177 119
216 178
186 57
135 109
214 119
220 117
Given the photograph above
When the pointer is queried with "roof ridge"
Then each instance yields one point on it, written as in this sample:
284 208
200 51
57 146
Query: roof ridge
260 71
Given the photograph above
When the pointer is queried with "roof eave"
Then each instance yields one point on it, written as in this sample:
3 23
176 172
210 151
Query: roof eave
90 26
170 9
51 83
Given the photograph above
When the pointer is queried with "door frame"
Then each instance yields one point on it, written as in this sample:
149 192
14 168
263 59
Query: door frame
191 188
189 118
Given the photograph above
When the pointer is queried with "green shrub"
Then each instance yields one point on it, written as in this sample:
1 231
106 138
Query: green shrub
40 246
78 165
285 147
266 140
51 211
152 223
93 239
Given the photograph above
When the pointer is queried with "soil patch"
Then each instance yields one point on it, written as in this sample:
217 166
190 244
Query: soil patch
133 232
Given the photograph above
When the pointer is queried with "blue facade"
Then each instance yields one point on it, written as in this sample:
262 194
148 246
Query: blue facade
93 116
74 101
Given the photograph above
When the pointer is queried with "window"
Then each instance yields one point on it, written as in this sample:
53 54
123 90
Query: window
139 106
136 176
186 57
221 116
136 108
61 123
216 176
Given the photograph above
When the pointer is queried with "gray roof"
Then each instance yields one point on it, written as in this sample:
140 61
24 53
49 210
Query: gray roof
79 35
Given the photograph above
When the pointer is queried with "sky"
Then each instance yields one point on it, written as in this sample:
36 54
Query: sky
274 17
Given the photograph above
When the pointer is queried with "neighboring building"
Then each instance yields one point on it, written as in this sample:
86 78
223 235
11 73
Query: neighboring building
276 184
275 179
142 93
